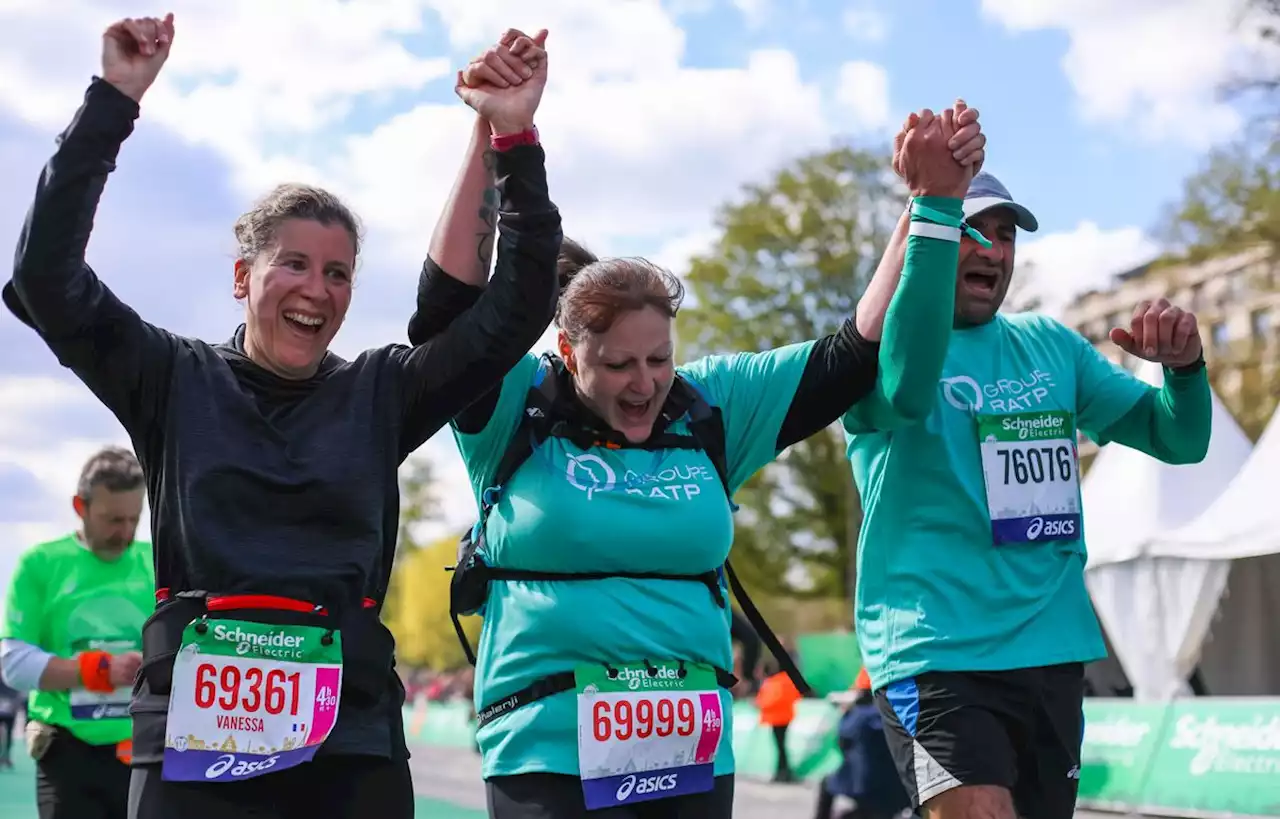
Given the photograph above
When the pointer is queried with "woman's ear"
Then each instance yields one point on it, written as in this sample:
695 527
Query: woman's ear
566 352
240 282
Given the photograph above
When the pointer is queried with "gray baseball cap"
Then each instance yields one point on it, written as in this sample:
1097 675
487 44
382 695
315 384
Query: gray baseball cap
987 192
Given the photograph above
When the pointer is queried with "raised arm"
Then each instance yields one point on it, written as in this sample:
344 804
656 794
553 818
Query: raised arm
121 358
968 146
1172 423
461 252
891 356
448 371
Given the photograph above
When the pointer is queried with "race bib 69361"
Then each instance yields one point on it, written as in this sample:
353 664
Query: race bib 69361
249 699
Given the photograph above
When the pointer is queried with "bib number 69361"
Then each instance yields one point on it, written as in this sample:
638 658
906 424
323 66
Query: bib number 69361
249 690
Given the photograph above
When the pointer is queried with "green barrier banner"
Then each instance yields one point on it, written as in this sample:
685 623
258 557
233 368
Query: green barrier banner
1218 757
811 744
442 724
1120 738
830 661
811 741
1203 757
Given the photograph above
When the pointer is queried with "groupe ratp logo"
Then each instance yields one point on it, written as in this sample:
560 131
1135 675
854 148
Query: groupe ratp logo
1051 528
242 767
645 784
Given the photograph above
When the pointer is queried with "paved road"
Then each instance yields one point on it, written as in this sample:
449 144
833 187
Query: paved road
454 776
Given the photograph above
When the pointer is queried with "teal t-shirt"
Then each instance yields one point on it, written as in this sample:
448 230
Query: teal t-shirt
628 510
934 591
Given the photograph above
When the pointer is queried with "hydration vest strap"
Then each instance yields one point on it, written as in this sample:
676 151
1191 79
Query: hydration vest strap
765 633
708 579
462 638
557 684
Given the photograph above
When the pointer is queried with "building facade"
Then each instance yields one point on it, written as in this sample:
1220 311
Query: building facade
1236 299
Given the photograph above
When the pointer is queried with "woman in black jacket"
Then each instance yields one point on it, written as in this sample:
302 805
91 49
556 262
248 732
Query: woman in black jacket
271 463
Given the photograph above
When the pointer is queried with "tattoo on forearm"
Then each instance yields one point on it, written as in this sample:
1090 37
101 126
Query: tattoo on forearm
489 215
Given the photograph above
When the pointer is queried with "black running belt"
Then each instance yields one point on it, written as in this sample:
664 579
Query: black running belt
556 684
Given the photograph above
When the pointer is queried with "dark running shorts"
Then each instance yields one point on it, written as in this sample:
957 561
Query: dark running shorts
1019 729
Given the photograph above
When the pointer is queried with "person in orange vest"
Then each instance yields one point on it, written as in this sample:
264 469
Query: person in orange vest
777 700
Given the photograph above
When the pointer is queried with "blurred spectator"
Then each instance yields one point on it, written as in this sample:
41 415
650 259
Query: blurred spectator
10 703
777 703
867 774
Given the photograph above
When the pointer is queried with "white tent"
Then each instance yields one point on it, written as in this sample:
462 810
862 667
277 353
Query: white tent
1239 537
1155 606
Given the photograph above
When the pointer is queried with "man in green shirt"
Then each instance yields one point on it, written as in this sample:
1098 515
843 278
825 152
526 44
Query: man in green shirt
72 638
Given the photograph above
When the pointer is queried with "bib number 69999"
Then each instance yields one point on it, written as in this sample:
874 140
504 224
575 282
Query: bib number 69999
643 718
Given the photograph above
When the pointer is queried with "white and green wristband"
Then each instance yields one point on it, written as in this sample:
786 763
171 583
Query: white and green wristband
942 226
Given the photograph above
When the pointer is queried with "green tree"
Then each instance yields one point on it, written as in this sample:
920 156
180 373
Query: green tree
791 259
419 506
1260 19
1232 202
420 618
419 502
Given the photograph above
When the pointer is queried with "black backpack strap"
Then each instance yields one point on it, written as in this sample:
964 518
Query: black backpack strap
706 424
536 423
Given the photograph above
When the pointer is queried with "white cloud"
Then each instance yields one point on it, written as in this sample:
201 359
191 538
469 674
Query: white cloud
640 148
866 23
1064 264
1149 65
755 12
863 94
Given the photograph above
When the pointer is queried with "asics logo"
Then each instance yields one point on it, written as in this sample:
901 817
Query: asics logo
242 767
1050 528
645 784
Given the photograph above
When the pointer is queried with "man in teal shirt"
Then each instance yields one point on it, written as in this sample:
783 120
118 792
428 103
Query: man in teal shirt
971 609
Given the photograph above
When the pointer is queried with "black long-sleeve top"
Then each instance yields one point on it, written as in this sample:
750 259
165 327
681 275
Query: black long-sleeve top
260 484
841 370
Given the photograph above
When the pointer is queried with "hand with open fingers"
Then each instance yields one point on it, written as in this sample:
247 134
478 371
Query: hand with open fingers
133 52
968 143
1162 333
926 160
505 83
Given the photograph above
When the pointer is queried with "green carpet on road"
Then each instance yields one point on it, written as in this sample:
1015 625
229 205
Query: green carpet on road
18 796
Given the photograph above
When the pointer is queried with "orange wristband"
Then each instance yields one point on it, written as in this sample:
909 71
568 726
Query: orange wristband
95 671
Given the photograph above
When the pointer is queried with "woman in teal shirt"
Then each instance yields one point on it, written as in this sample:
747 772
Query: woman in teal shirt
607 691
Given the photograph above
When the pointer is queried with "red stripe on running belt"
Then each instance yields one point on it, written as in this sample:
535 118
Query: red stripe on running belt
270 602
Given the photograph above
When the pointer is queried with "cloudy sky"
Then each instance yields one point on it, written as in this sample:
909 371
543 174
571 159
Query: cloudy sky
655 113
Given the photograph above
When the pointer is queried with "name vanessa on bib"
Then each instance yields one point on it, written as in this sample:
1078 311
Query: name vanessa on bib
250 698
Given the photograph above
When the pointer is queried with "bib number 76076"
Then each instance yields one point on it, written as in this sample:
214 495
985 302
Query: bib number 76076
1037 464
1032 479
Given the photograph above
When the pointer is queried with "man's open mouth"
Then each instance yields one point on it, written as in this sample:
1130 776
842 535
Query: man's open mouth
981 281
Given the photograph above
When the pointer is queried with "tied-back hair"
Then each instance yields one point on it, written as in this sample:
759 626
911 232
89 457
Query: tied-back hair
594 292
